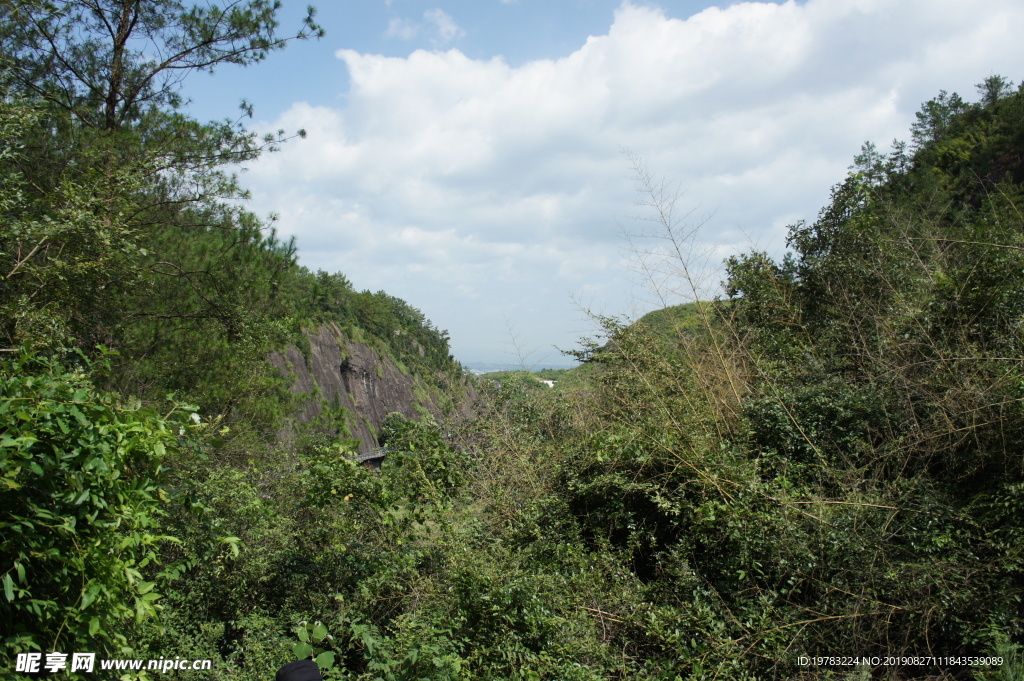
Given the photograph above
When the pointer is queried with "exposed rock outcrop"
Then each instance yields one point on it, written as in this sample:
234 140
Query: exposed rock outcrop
357 378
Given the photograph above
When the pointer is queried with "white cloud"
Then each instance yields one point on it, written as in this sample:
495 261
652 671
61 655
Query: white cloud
479 191
445 28
402 29
437 23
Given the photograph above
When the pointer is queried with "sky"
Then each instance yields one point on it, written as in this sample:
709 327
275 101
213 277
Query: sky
499 164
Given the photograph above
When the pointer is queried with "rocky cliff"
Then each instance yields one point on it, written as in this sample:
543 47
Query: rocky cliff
337 372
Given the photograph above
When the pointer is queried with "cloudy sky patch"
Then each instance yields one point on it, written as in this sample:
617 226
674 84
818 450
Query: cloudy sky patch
439 26
486 186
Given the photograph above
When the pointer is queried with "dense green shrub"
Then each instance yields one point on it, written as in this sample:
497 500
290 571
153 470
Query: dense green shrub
80 475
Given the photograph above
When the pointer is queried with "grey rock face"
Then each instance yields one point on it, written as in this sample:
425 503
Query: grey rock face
361 380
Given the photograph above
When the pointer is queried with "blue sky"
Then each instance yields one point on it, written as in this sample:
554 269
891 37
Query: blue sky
474 157
517 30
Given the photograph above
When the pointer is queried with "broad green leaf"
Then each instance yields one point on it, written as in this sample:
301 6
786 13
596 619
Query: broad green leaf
325 660
90 595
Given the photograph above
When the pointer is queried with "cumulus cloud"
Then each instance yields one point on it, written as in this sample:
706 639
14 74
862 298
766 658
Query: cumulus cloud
481 192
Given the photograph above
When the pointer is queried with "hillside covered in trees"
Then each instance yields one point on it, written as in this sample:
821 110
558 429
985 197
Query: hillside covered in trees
139 304
824 462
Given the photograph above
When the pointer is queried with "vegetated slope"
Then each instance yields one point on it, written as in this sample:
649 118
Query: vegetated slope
830 466
141 428
827 466
671 322
148 421
836 466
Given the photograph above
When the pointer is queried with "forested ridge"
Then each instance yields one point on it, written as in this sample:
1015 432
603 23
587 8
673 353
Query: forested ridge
824 461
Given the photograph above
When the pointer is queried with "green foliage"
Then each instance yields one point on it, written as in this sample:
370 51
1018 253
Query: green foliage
826 461
66 256
80 474
313 641
121 232
884 355
670 322
123 228
88 59
420 465
194 332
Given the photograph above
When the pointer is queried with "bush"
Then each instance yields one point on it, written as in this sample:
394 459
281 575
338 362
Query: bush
79 484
